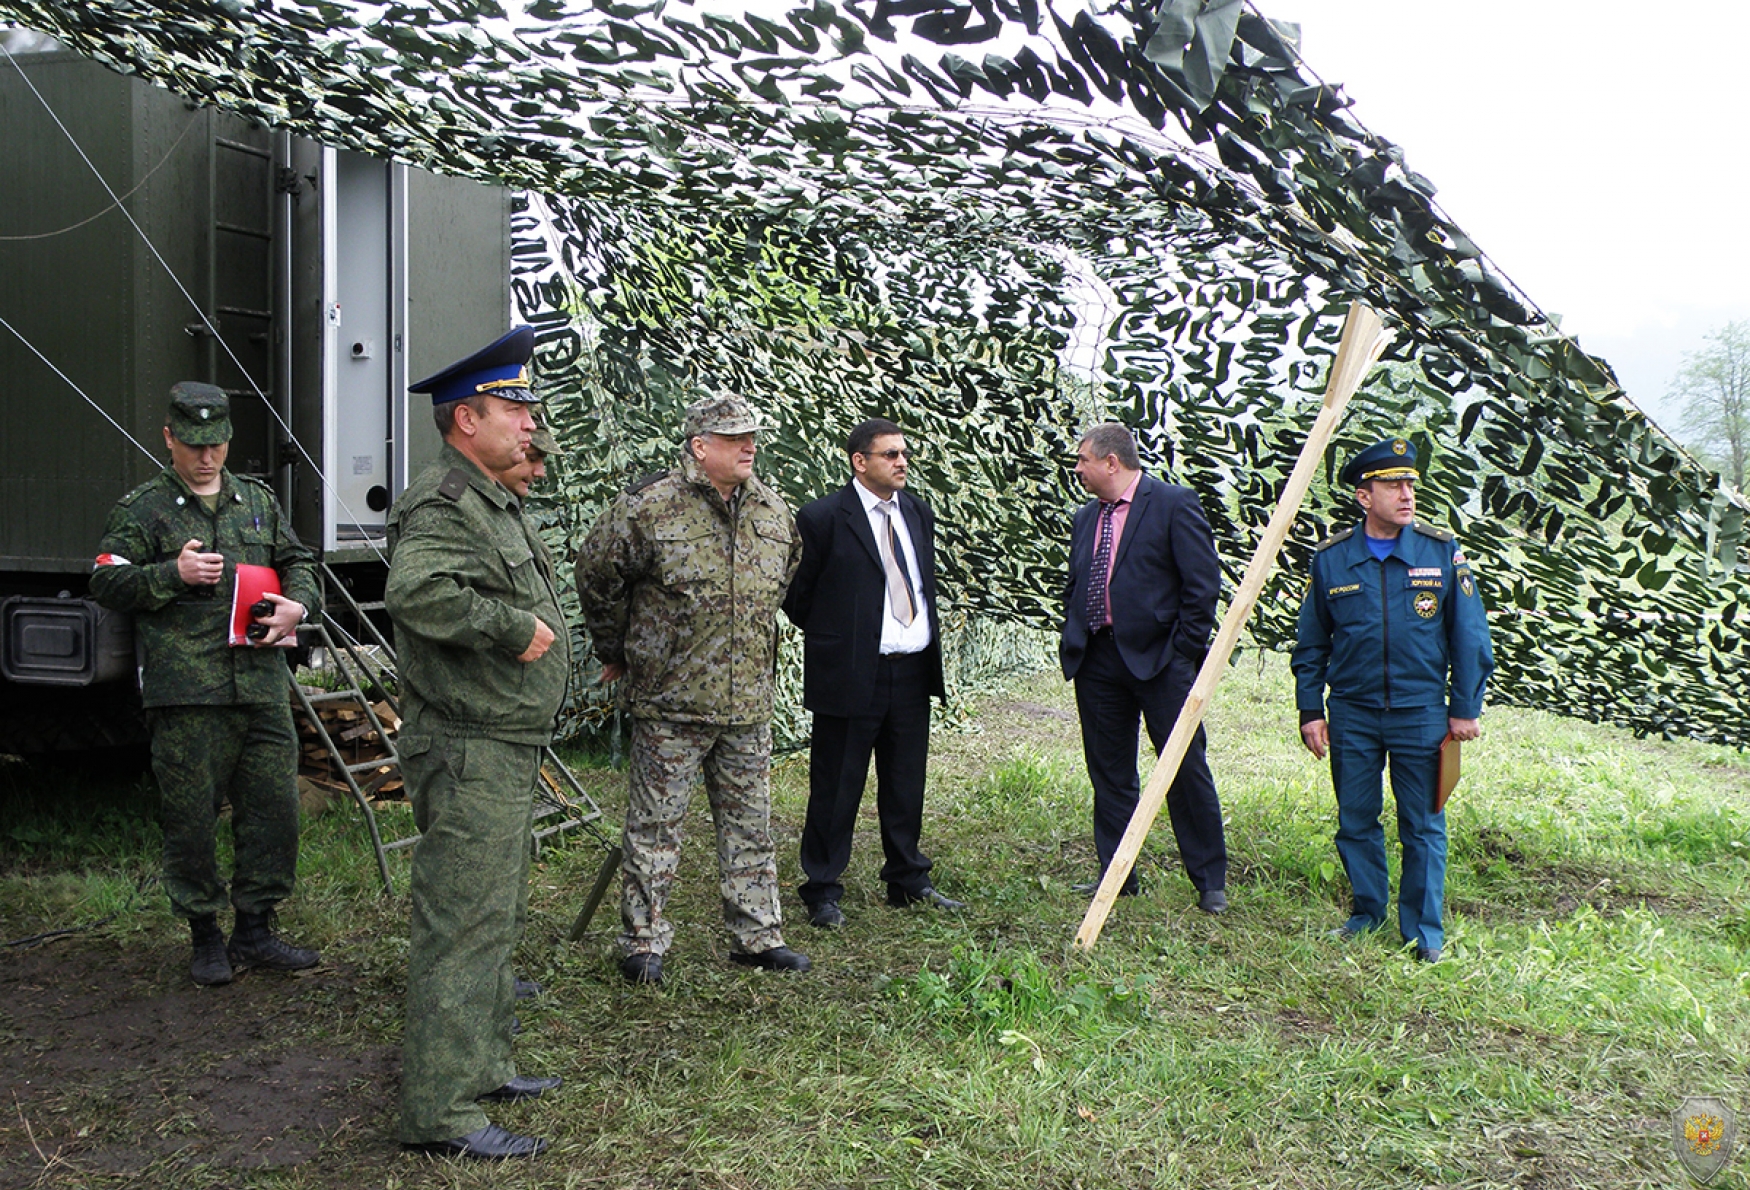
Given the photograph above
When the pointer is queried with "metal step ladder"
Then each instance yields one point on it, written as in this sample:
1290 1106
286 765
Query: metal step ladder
363 664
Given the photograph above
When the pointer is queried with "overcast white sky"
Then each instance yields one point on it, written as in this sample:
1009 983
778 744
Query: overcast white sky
1597 150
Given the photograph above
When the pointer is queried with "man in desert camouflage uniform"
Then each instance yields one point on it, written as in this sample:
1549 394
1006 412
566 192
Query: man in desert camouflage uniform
220 716
681 581
484 659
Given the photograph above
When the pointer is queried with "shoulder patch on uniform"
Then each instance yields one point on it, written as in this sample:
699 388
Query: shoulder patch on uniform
454 484
1333 539
638 485
140 491
1434 531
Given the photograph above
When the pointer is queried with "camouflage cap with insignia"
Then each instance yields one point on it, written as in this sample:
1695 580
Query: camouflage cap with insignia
721 414
1395 458
200 414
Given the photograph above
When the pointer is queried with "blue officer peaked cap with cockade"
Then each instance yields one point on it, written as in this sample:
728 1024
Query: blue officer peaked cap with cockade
1395 458
500 369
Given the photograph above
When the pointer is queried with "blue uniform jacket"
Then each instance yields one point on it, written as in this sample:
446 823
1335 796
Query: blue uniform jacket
1387 633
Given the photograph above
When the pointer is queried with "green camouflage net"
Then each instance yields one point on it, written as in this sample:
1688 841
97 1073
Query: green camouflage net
925 209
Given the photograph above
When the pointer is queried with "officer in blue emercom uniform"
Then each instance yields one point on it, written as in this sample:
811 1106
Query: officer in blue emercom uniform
1393 625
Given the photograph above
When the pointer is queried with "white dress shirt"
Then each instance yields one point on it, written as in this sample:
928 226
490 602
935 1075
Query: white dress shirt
897 637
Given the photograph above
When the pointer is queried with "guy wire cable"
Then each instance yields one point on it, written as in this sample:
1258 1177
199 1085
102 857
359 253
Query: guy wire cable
100 409
138 186
201 314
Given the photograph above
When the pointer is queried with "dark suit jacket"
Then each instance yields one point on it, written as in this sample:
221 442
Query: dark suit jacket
1164 581
838 594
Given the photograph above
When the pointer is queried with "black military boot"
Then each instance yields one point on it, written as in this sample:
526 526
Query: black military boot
210 966
254 944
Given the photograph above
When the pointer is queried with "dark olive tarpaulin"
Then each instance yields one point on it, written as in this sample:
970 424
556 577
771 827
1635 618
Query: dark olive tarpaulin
915 208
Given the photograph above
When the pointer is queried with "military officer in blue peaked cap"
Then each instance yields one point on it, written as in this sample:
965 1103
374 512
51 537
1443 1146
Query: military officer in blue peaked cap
484 658
1393 627
499 369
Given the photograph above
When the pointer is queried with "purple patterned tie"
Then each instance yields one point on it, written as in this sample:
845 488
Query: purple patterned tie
1102 568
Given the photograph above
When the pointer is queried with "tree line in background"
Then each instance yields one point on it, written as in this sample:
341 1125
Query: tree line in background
1713 392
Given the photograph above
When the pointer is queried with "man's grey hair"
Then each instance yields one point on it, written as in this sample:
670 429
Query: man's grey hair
1113 438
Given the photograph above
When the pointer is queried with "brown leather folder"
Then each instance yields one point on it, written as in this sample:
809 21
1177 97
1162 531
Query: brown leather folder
1448 772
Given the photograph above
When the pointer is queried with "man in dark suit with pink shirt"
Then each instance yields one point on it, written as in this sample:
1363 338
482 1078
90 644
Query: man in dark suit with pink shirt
1139 607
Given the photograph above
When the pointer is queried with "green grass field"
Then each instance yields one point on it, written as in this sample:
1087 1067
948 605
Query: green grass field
1596 974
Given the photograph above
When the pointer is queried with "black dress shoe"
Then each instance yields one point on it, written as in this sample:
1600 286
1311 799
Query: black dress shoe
826 916
1212 901
1428 954
779 958
522 1087
526 989
899 898
642 967
491 1143
1091 887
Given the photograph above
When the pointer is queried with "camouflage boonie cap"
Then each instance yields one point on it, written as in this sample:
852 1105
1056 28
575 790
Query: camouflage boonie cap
543 442
200 414
720 415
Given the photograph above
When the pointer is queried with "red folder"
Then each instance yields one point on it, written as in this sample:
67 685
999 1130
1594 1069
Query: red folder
1448 772
252 583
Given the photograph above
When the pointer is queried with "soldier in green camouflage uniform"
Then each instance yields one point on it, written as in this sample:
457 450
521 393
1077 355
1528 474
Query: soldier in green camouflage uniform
484 658
680 582
220 716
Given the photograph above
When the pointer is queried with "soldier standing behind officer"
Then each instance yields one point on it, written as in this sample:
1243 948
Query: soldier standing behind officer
523 476
680 582
1393 626
484 660
221 717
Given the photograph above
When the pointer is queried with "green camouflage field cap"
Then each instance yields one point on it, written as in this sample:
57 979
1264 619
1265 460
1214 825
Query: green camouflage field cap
200 414
720 415
542 442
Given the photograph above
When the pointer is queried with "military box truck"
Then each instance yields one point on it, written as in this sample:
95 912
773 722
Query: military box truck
145 240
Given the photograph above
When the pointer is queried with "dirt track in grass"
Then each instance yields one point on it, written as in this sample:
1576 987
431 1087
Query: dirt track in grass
227 1077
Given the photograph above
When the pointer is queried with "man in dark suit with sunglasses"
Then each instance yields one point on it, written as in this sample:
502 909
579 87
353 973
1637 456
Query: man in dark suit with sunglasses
865 599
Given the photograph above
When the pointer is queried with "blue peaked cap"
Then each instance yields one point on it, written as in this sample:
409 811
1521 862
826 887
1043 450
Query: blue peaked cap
1395 458
500 369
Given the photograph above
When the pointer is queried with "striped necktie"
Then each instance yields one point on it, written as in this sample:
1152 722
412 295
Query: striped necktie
899 596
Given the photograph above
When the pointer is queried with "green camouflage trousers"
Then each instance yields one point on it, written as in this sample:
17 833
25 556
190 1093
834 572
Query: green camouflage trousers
667 763
204 757
473 800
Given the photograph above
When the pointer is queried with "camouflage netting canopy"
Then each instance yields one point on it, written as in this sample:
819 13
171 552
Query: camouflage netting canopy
999 221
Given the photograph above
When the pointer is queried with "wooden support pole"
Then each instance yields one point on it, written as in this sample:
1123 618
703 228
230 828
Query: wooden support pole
1363 339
